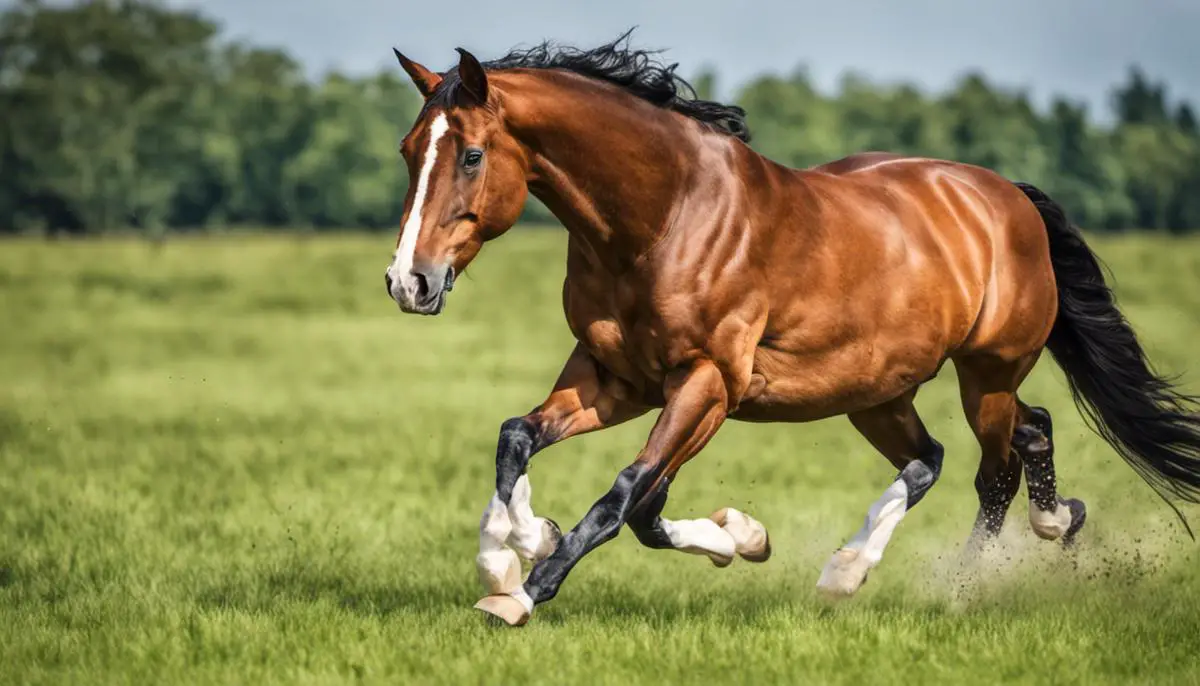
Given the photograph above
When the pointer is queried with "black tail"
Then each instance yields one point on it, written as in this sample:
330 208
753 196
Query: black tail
1152 424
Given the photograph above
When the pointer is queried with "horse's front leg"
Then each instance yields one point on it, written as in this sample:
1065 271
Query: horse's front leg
581 402
696 405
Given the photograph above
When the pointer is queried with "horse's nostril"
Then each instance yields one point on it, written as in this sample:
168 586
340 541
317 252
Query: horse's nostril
422 285
387 279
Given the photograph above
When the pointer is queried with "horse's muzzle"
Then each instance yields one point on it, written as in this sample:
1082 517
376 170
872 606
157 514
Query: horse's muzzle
422 290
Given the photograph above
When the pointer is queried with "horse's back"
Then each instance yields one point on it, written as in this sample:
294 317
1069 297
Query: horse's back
858 161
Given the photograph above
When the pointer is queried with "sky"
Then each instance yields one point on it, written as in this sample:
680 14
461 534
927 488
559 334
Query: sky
1078 48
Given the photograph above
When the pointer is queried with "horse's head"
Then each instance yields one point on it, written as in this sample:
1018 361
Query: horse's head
467 183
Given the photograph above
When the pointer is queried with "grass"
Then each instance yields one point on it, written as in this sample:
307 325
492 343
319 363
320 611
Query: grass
231 460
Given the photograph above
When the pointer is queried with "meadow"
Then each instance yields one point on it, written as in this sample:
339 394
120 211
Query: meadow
231 460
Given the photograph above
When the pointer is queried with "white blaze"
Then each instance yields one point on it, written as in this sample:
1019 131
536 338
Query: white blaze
403 261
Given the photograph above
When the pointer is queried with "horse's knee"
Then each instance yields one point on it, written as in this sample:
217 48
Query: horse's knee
1039 418
1032 443
922 473
517 443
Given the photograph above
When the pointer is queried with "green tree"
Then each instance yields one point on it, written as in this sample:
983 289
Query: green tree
129 114
98 102
350 173
262 118
1140 101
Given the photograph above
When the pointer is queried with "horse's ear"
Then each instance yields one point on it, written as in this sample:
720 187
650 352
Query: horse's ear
474 79
425 80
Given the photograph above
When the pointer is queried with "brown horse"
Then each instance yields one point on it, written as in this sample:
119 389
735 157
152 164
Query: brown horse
711 282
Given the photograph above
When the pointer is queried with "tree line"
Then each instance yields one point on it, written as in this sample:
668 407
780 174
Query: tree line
128 115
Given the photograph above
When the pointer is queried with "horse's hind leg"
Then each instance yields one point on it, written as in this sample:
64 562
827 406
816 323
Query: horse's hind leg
1050 515
988 387
720 536
1011 435
896 431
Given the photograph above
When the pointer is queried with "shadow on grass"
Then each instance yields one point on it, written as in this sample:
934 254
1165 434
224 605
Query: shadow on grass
368 595
345 589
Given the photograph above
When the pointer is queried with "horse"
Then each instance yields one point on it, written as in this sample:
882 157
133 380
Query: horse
711 283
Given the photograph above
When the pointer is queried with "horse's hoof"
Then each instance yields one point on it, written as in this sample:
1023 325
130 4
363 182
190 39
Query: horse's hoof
551 536
843 575
749 535
761 553
1053 525
1078 518
505 608
720 561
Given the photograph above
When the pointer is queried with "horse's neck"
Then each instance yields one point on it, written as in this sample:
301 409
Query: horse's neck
611 167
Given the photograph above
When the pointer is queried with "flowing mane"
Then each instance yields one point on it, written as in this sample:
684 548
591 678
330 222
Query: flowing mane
636 71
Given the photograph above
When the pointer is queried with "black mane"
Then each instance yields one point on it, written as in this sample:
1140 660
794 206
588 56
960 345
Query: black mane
634 70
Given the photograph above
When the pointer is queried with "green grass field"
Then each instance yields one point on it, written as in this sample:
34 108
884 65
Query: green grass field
232 460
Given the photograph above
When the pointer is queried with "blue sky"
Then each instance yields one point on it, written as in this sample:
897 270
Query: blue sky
1076 47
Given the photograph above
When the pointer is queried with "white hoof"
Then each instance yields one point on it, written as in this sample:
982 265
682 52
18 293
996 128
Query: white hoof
749 535
1050 525
506 608
499 571
844 574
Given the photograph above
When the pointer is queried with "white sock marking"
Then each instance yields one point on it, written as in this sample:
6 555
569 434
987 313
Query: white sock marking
498 566
403 261
848 567
527 529
506 532
881 521
523 598
699 536
494 526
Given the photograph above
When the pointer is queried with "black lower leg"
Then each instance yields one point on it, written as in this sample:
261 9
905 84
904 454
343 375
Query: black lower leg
996 495
920 474
518 442
602 523
1033 440
646 521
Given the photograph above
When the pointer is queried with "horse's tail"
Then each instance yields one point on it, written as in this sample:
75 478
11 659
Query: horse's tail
1150 422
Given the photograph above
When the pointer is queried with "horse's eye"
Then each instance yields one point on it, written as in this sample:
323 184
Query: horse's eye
472 159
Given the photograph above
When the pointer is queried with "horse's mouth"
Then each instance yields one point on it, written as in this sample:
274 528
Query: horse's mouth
431 308
433 304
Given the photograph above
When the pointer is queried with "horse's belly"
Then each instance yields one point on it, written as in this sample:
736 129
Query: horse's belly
811 386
